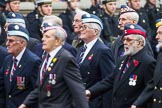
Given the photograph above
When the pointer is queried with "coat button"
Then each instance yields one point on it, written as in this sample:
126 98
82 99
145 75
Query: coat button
88 73
155 87
159 101
160 88
9 96
154 100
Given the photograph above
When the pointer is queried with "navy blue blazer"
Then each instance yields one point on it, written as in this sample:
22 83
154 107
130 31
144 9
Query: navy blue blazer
98 63
24 78
3 53
38 49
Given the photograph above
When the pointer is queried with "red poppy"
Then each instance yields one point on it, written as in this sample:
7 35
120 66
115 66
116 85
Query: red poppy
7 72
136 62
90 57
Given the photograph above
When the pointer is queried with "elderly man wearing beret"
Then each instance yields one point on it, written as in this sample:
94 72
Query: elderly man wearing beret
95 58
19 69
132 72
154 87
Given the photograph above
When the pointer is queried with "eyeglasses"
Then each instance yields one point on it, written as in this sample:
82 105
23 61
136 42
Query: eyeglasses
128 39
11 40
85 27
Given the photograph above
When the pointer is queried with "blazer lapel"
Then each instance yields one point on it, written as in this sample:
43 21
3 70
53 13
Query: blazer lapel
52 65
19 68
91 53
7 74
126 76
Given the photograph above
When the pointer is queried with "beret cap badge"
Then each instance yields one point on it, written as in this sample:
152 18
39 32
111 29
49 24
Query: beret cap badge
13 15
16 27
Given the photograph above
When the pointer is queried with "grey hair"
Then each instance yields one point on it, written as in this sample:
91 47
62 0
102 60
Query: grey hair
133 16
60 33
96 26
55 20
140 37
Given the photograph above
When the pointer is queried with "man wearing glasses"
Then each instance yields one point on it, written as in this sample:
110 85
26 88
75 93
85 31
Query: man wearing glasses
95 58
127 16
19 69
132 72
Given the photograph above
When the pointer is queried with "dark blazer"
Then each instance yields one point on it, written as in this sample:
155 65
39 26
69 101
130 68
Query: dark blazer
97 64
154 87
124 93
38 49
68 88
3 54
26 71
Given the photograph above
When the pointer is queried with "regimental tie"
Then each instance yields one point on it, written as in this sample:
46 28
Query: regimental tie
82 54
45 66
126 67
13 69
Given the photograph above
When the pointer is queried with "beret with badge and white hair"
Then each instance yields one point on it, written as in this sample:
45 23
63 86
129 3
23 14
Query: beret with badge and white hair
17 30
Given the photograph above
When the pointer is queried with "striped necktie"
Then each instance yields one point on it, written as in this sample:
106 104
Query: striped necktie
82 54
45 66
126 66
13 69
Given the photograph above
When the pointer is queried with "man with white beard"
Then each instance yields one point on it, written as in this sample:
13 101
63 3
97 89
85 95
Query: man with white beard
131 73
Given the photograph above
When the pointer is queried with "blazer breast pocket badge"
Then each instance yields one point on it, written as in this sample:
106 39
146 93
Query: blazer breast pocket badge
20 82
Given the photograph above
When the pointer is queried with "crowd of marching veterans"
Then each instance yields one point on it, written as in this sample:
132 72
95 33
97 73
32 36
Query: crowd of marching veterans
93 58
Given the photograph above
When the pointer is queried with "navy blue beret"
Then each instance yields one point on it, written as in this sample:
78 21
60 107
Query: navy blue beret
134 29
17 30
125 9
13 17
49 26
90 18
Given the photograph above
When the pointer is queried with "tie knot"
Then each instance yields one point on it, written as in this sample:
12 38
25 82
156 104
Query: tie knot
14 60
84 48
47 56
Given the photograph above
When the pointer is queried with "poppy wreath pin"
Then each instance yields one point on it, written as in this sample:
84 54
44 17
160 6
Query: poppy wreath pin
90 57
7 71
136 62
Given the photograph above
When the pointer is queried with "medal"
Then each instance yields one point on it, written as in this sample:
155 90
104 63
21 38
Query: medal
48 93
133 83
48 89
51 64
53 82
132 80
49 68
